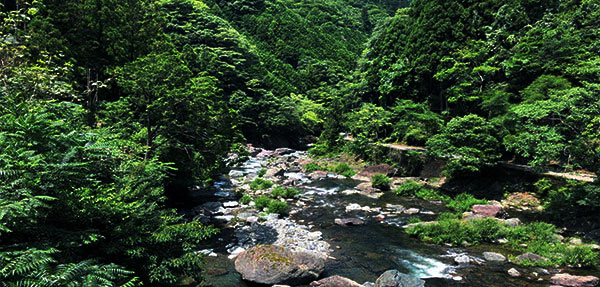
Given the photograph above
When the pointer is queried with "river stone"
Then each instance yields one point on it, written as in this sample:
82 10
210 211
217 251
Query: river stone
335 281
231 204
270 264
531 257
565 279
462 259
353 207
411 211
514 272
486 210
393 278
493 256
348 221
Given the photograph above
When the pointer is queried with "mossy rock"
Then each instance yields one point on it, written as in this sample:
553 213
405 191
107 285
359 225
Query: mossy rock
270 264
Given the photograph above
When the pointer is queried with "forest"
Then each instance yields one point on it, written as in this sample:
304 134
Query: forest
113 110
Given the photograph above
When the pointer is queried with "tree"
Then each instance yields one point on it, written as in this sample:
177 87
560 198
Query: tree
181 116
467 143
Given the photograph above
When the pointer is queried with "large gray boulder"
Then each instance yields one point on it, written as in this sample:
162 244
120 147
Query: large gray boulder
394 278
271 264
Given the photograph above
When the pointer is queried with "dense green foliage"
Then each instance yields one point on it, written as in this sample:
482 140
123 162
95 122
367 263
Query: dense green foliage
511 80
112 110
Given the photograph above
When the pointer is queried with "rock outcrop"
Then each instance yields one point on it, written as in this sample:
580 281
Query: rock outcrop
271 264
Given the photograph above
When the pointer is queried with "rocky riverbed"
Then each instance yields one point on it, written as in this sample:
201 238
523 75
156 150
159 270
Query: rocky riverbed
355 229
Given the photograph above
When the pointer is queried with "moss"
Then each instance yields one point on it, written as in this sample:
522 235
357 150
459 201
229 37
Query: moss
273 254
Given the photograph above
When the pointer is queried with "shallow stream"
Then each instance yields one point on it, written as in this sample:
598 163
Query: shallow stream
364 252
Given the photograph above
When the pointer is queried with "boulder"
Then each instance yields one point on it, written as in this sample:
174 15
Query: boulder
565 279
370 171
271 264
335 281
522 201
486 210
493 256
393 278
348 221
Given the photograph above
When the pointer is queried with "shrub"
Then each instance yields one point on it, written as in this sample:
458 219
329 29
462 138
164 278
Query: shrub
284 192
539 238
464 201
261 202
344 169
261 172
279 207
487 229
260 184
380 181
451 231
536 231
313 167
542 186
245 199
431 194
409 188
581 256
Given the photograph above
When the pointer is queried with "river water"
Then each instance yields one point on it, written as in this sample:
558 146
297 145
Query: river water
364 252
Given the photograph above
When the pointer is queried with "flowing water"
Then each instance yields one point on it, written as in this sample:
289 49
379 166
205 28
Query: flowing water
364 252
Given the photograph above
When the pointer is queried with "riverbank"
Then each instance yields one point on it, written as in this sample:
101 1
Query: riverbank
357 229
